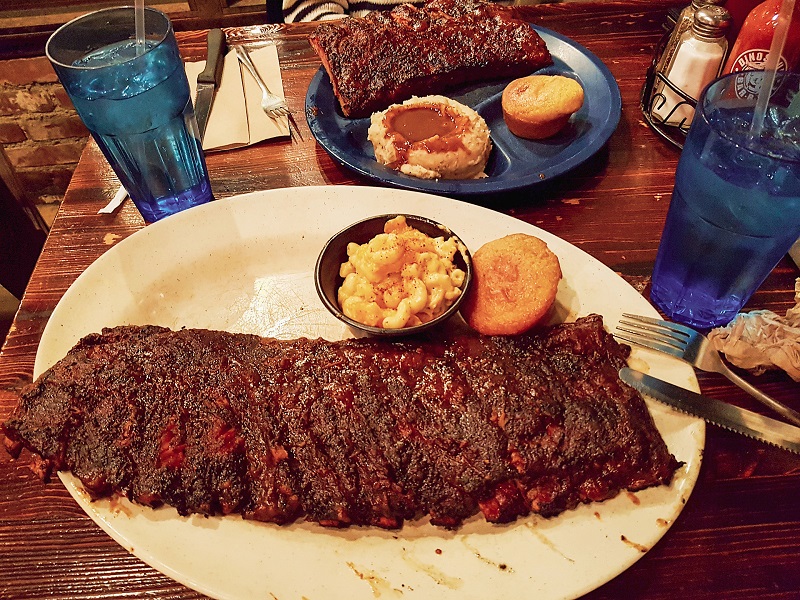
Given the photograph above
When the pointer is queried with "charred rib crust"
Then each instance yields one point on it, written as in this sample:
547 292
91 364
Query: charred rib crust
358 432
388 56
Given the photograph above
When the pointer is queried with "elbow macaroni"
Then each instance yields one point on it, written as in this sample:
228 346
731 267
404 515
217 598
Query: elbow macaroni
400 278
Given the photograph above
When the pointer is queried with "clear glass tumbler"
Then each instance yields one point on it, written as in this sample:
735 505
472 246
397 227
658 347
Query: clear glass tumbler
134 99
735 208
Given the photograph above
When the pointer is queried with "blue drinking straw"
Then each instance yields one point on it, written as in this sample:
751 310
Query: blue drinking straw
139 19
771 66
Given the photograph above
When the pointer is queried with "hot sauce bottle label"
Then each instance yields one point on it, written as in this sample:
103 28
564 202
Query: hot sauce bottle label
754 59
748 83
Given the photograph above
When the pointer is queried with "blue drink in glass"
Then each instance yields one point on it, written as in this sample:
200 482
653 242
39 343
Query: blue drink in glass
135 102
735 208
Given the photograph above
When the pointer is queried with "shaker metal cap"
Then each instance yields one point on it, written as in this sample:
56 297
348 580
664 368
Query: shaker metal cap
698 4
711 21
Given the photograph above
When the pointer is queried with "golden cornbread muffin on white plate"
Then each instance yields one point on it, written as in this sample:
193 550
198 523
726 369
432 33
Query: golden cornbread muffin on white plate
514 284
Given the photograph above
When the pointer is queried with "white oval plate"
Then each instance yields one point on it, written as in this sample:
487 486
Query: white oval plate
245 264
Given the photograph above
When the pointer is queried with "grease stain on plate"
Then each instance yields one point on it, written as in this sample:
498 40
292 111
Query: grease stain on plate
531 525
441 578
641 548
501 566
379 585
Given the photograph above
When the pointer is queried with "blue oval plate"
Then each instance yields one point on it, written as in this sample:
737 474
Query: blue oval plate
515 162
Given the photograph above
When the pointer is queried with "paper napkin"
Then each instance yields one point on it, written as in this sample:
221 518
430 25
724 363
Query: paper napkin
794 251
761 340
236 118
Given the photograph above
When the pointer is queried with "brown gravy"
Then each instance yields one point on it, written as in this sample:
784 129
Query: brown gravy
432 127
417 123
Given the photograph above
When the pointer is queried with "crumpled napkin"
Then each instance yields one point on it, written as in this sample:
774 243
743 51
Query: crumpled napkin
236 118
761 340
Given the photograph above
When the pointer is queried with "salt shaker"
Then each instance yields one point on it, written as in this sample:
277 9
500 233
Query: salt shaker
682 25
697 60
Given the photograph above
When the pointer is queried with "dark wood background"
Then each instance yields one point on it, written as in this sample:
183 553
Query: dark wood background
739 535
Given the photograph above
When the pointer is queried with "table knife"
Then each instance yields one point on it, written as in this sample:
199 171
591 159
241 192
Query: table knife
208 80
794 252
716 411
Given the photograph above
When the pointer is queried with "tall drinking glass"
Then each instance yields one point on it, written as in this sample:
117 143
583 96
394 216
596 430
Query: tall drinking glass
135 102
735 208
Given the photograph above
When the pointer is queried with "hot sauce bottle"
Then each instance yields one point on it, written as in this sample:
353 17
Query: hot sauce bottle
750 51
739 10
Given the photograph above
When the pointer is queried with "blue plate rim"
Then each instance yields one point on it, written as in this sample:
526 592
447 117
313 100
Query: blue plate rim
368 167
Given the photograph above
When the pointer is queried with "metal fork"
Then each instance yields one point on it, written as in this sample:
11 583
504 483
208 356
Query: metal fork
273 105
693 347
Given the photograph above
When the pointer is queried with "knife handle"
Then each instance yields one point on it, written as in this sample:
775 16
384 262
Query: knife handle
212 73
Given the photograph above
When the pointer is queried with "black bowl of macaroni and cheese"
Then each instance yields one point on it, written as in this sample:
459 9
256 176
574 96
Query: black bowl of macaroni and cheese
393 275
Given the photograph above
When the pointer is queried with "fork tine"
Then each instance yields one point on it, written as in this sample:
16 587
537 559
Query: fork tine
676 327
638 340
654 335
658 329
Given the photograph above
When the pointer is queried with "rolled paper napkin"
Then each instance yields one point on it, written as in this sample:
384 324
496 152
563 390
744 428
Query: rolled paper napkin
761 340
115 203
236 118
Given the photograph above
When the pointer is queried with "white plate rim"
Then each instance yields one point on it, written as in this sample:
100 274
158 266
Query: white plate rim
125 522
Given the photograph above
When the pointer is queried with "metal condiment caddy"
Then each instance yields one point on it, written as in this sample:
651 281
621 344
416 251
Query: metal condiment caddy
674 134
693 50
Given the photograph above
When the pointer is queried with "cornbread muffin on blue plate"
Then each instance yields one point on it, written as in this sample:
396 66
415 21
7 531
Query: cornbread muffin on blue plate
539 106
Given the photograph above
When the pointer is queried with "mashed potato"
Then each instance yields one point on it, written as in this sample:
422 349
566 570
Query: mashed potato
431 138
400 278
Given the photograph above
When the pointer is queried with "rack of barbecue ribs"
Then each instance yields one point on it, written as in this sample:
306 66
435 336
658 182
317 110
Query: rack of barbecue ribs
390 56
353 432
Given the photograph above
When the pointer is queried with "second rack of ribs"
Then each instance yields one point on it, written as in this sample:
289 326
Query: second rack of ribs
389 56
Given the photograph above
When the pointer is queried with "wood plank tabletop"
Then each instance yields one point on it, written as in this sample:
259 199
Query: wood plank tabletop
739 534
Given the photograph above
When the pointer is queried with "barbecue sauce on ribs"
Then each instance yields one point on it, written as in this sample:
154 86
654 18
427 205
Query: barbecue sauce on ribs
363 431
390 56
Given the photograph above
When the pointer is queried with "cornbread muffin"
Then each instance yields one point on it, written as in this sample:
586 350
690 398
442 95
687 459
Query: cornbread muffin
432 137
515 280
539 106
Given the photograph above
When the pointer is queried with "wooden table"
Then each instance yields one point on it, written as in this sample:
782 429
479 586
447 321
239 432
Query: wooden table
739 535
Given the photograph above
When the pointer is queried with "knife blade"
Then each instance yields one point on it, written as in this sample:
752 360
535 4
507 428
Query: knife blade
716 411
208 80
